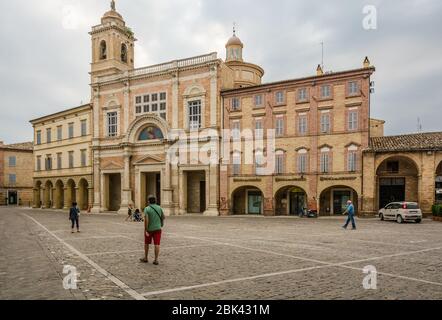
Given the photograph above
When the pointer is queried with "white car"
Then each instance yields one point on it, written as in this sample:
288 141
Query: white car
401 212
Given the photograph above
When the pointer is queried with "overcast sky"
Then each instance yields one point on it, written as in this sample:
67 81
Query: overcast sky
45 49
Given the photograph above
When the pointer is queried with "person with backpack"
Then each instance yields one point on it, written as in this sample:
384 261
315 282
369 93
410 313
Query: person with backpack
153 224
74 216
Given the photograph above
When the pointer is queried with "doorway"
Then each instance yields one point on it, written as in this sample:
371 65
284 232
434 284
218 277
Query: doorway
12 198
254 200
391 190
340 199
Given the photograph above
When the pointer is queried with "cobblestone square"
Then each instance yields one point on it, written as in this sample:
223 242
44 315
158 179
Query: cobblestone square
217 258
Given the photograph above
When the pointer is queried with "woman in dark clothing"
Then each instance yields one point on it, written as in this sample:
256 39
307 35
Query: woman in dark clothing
74 216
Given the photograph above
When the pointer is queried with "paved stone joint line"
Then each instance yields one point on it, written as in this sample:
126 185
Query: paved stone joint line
323 265
134 294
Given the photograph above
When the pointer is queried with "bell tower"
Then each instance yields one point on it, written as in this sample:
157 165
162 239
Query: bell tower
112 45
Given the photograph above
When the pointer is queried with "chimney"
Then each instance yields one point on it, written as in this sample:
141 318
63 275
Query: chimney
319 70
366 63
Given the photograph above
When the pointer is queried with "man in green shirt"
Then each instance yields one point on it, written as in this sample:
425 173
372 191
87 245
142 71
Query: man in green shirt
152 229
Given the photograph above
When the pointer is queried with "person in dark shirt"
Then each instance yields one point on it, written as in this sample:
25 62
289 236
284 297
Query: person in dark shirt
74 216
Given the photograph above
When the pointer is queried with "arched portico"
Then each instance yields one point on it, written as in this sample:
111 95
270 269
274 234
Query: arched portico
83 194
48 195
290 200
59 195
70 195
333 200
247 200
397 180
438 195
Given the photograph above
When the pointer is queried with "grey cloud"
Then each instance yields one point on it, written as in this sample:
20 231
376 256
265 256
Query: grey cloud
44 68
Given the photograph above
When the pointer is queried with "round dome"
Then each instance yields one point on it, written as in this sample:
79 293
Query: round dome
234 41
112 14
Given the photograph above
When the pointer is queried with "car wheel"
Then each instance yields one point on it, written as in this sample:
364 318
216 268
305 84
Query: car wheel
399 219
418 220
382 217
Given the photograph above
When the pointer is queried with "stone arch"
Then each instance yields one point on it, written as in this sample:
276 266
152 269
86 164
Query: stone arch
83 194
70 195
103 50
438 184
38 199
290 200
397 179
247 199
194 90
124 52
59 195
144 121
48 194
333 199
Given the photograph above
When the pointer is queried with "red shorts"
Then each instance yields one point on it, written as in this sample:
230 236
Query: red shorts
155 236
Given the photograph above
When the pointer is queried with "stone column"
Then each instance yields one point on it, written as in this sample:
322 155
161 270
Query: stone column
213 185
104 195
97 190
167 190
182 192
126 191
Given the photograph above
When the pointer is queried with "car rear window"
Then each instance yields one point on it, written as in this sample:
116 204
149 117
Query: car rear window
412 206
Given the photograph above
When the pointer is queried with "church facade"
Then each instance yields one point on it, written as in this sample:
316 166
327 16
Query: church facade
176 130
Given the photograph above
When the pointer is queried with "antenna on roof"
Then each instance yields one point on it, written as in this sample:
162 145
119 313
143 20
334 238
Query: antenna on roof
419 125
234 28
322 56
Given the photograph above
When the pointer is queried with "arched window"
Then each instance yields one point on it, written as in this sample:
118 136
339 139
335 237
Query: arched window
151 133
124 53
103 50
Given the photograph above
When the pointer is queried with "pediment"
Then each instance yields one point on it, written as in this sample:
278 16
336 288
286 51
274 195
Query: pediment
150 159
112 165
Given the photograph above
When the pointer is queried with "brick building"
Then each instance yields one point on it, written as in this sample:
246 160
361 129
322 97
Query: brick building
142 127
16 174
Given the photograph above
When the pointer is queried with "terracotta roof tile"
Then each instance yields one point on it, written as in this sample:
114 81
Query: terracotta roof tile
408 142
19 146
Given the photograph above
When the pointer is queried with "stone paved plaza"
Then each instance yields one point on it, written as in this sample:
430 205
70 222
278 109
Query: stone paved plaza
218 258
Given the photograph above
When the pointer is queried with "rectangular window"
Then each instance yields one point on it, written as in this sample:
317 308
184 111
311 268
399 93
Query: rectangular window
325 91
236 130
12 179
12 161
279 97
39 163
48 135
325 123
152 103
259 163
236 164
302 125
194 115
71 130
59 161
302 163
258 100
236 104
279 164
352 156
38 137
112 124
259 130
302 95
353 88
48 162
279 127
83 128
325 159
59 133
393 166
83 158
353 120
71 159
